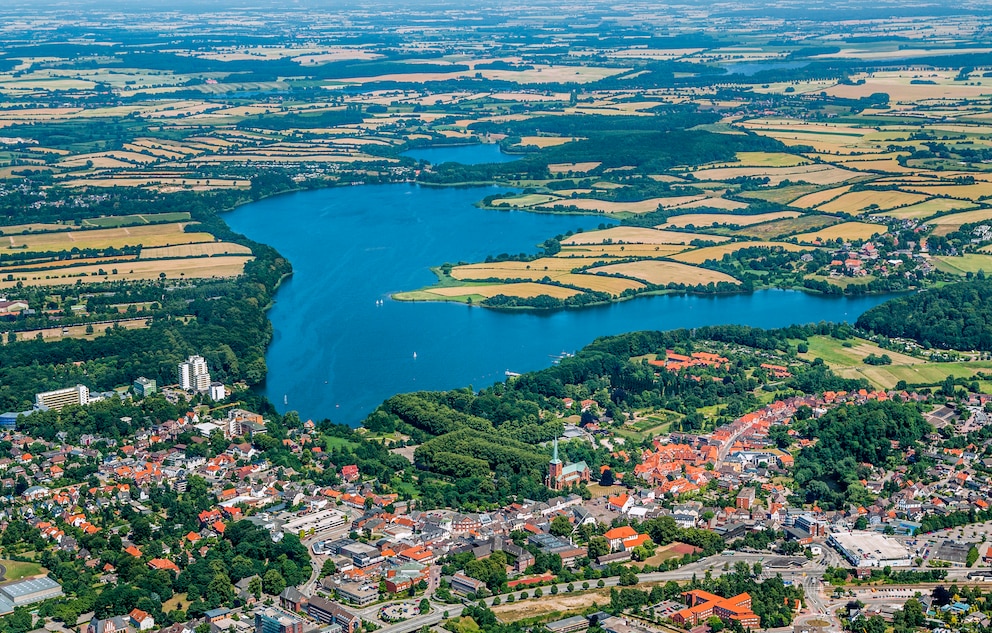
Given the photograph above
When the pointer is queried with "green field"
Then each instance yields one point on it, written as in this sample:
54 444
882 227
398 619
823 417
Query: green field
132 220
19 569
970 263
834 353
847 362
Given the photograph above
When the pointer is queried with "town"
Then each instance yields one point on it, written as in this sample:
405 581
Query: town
242 521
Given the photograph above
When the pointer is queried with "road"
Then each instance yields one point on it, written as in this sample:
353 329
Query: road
713 564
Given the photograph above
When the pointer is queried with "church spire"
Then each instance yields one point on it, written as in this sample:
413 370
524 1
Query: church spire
554 455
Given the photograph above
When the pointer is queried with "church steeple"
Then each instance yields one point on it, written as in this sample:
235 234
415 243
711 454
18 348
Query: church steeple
554 470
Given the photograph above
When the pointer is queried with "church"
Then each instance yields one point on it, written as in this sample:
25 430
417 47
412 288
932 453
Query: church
560 476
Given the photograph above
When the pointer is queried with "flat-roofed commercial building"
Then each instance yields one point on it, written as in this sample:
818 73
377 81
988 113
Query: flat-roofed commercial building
328 612
61 398
272 620
314 523
360 593
869 549
31 590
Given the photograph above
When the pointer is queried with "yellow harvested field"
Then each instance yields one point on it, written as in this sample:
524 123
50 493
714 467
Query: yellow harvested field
855 202
525 289
948 223
816 174
194 250
146 235
537 269
176 183
622 250
98 162
974 192
204 267
12 229
579 168
844 230
770 159
49 262
931 207
700 255
715 203
79 331
888 165
546 141
600 283
664 272
608 206
637 235
816 198
900 89
725 219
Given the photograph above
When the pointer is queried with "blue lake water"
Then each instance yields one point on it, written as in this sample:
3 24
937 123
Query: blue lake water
337 354
465 154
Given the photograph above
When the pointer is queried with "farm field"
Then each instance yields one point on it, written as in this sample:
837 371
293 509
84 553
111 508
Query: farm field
929 208
857 201
149 235
812 200
204 267
847 362
844 231
700 255
781 228
834 353
524 289
637 235
949 223
621 250
610 207
128 220
887 376
781 195
709 219
194 250
665 272
79 331
964 264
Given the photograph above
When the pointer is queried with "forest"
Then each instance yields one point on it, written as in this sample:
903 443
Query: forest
956 316
850 442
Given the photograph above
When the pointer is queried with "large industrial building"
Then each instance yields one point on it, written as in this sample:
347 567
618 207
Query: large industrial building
28 591
870 549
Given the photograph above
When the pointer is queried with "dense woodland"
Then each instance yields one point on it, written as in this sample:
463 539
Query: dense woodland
958 316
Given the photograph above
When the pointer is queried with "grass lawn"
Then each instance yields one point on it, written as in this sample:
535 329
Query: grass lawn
17 569
336 442
177 601
463 625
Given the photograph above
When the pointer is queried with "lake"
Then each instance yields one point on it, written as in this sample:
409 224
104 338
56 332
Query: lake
337 354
